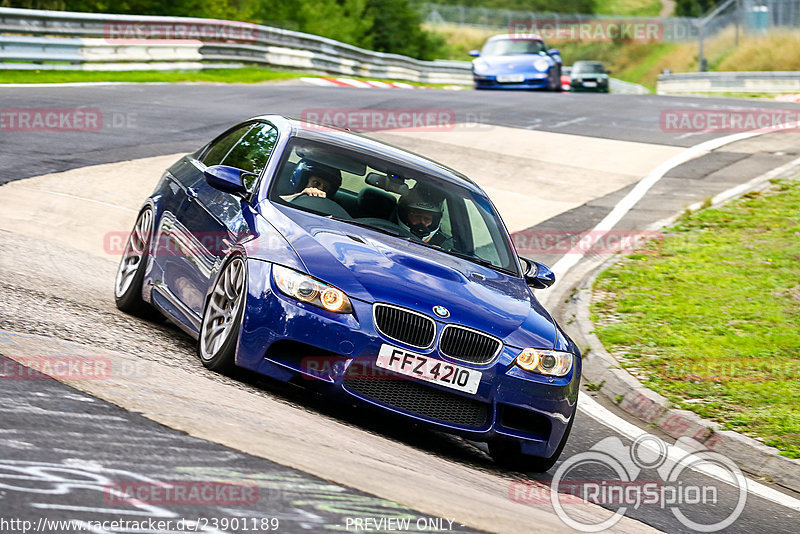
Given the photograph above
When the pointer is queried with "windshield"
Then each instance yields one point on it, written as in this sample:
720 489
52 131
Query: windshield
510 47
589 67
362 190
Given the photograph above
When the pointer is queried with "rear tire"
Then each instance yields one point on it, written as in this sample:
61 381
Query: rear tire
219 331
130 273
507 454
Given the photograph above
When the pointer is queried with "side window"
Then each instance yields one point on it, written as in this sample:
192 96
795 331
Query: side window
222 146
252 152
482 238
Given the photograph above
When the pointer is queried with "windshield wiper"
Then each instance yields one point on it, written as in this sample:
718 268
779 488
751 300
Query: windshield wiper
369 226
479 261
472 258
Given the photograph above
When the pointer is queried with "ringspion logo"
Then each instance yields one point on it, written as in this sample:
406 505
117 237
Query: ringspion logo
697 503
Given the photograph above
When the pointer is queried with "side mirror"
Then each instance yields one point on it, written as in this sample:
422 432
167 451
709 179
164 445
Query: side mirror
608 71
537 275
554 52
474 53
227 179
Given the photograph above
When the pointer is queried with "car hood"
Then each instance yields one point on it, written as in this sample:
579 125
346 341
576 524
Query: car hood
513 64
375 267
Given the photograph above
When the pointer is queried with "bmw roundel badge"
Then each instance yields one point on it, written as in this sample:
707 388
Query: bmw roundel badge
441 311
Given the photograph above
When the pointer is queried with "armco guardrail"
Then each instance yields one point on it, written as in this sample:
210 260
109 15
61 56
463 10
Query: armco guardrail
626 88
65 40
728 82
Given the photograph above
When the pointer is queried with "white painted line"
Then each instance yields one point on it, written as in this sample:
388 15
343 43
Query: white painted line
571 121
353 83
691 134
319 81
588 405
379 84
596 411
570 259
734 192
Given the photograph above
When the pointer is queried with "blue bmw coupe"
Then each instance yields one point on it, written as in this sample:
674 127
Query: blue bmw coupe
514 62
300 251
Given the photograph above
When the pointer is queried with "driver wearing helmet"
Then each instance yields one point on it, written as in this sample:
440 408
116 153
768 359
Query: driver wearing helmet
315 180
421 214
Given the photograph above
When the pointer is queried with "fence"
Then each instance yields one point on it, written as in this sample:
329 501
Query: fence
64 40
754 16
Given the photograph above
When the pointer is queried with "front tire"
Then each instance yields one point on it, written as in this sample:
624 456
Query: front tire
507 454
130 273
222 317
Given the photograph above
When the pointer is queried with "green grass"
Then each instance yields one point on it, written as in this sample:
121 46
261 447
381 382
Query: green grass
242 75
710 316
629 8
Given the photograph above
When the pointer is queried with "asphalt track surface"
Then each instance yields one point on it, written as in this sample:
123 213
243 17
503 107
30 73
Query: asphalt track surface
148 120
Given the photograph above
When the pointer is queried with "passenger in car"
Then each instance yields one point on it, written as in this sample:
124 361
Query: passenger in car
315 180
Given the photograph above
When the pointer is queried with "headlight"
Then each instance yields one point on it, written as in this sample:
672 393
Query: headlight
306 289
479 66
546 362
541 64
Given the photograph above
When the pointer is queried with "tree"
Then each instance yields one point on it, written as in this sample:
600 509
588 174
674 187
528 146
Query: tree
397 28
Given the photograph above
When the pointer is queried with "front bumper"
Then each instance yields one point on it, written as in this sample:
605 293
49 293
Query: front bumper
600 86
293 341
532 81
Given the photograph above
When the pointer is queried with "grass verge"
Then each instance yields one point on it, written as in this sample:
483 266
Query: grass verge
240 75
243 75
709 316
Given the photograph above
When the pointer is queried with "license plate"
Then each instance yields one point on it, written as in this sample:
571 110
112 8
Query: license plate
590 84
428 369
511 78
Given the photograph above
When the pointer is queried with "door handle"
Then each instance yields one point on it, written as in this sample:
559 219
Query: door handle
191 192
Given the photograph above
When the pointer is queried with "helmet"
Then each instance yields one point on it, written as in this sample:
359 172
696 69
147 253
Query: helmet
421 201
306 168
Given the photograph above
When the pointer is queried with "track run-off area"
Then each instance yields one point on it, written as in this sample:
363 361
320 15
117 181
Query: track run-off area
550 162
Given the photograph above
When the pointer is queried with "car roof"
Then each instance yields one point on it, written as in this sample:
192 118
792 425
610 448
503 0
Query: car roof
359 143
